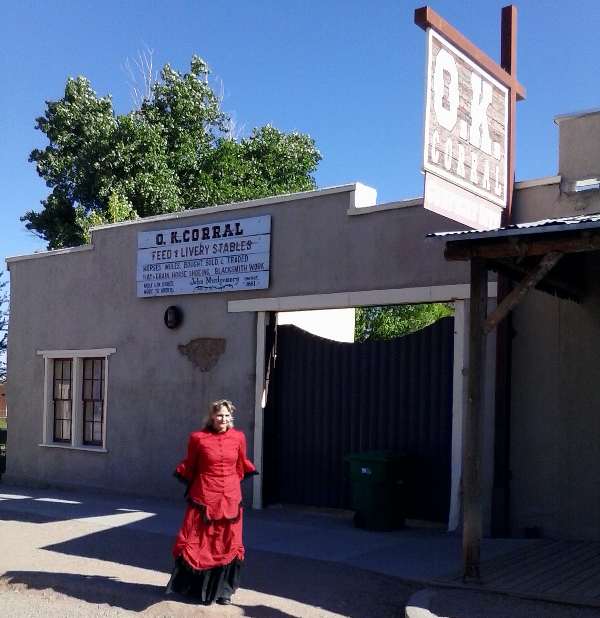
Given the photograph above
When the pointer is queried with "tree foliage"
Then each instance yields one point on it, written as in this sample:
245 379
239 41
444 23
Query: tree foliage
173 152
3 325
374 323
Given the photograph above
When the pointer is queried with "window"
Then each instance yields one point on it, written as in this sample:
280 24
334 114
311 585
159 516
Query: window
75 390
93 400
62 399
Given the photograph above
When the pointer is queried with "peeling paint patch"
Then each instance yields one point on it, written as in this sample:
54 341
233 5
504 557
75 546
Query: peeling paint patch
204 352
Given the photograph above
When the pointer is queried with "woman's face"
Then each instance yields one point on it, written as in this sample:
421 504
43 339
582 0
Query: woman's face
221 419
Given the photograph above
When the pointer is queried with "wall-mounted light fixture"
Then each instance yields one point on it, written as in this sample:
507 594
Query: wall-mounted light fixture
173 317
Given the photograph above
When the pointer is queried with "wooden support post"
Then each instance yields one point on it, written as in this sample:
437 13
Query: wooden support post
472 447
546 264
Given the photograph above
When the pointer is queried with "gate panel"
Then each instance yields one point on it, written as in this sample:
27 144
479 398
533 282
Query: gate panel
328 399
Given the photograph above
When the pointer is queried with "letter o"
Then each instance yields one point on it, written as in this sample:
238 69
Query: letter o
160 239
446 116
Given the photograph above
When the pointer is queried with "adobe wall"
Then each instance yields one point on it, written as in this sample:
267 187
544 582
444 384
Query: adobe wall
87 299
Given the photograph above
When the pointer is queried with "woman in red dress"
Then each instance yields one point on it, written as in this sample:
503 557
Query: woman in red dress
208 550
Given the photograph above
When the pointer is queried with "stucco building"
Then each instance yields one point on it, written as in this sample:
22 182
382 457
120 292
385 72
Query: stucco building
102 393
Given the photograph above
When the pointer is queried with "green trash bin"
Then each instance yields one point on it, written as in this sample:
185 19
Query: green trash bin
377 479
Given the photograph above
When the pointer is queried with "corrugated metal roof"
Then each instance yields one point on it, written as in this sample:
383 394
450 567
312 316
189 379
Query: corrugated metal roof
580 222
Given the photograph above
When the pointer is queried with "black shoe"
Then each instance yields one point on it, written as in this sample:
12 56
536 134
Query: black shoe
224 601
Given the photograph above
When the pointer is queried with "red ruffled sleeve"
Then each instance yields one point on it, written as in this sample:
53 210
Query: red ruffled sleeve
186 469
244 466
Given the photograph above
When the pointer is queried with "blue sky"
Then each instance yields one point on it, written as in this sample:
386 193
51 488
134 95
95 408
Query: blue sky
348 72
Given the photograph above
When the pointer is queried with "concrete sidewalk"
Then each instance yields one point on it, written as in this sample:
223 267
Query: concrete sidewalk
81 554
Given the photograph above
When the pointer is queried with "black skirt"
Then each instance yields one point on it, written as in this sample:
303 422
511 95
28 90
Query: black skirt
206 585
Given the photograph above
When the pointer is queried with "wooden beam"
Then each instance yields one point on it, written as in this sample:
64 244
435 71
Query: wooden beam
426 17
500 520
536 274
508 61
560 285
472 445
512 247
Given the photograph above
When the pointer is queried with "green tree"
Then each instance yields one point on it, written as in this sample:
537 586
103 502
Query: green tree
3 326
374 323
174 152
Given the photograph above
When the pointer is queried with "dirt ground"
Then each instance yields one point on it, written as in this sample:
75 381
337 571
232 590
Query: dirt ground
101 566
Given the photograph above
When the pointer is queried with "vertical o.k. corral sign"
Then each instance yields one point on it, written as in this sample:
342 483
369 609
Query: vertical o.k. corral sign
466 136
224 256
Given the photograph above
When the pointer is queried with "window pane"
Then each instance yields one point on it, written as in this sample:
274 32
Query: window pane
64 390
87 368
98 411
66 372
62 410
66 430
87 389
97 432
97 390
98 369
87 434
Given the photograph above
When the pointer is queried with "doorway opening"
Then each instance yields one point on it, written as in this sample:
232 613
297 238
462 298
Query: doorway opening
328 399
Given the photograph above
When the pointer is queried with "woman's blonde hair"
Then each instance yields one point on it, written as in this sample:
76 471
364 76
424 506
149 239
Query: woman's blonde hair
215 406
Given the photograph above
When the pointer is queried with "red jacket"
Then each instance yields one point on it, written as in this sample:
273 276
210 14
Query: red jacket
214 466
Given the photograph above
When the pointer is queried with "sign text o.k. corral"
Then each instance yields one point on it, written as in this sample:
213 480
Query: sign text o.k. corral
466 130
212 257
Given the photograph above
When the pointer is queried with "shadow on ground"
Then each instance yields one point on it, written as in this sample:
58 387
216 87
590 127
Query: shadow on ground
338 588
91 588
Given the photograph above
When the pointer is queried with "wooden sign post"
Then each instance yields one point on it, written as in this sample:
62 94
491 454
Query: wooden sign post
471 196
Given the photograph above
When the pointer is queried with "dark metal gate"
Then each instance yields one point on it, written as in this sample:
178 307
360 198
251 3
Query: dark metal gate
328 399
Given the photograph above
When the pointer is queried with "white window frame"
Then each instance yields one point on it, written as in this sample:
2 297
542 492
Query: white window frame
76 356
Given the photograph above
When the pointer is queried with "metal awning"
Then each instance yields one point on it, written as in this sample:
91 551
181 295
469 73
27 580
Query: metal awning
516 250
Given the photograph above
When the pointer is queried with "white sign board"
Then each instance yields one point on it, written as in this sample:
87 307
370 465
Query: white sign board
466 136
211 257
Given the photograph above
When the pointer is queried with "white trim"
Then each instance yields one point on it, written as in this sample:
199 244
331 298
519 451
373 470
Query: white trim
46 404
538 182
105 402
259 389
90 449
41 254
76 353
586 112
76 357
401 296
366 210
459 384
360 190
76 403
